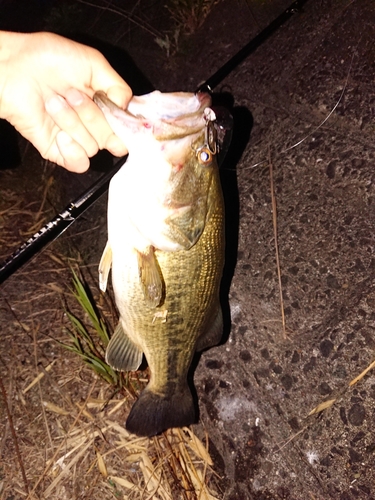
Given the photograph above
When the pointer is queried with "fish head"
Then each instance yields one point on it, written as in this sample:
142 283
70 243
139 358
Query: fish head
172 144
189 148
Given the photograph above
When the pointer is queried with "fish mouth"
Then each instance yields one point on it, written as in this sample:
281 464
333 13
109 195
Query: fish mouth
166 115
204 99
161 107
104 103
168 106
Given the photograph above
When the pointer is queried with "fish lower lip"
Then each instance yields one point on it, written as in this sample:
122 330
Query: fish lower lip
204 98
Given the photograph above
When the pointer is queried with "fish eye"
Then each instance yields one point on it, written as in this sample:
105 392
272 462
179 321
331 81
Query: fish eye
204 156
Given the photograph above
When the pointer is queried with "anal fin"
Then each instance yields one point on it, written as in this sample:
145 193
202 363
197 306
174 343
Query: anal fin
150 277
122 354
104 267
213 335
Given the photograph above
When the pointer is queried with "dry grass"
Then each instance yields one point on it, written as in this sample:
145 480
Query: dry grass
327 404
76 449
190 14
64 434
276 243
61 426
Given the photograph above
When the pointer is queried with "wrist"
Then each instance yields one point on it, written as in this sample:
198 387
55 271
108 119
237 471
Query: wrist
10 44
5 55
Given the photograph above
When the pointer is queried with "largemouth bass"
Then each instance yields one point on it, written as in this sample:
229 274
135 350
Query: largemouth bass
166 248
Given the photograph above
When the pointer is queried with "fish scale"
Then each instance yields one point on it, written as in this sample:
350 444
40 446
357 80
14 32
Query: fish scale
192 282
166 248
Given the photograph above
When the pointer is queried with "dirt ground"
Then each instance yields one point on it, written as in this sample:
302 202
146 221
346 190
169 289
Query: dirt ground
304 110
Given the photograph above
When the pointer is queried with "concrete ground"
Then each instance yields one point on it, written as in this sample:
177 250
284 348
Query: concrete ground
310 92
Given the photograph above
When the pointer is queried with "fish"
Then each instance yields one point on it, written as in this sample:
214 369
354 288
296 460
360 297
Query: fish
166 247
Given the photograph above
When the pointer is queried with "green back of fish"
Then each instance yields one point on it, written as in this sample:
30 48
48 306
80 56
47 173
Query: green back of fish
188 319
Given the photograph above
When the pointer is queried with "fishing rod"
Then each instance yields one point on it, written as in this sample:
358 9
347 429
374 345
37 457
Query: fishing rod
60 223
55 227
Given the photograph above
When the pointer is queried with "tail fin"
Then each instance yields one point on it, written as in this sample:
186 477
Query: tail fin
152 413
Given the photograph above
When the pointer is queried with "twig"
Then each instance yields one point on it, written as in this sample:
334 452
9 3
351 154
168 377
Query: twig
274 218
361 375
291 439
40 389
14 435
67 468
175 464
4 437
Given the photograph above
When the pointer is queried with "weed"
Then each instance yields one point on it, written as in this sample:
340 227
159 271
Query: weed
169 44
90 342
190 14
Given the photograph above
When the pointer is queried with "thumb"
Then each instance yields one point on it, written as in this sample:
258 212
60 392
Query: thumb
105 78
120 95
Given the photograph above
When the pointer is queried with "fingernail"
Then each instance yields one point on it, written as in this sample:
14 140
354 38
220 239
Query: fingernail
74 97
55 104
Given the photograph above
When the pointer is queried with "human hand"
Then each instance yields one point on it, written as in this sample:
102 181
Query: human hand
46 88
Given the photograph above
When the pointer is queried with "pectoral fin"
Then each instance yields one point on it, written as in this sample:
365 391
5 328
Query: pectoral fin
150 277
186 227
122 354
104 267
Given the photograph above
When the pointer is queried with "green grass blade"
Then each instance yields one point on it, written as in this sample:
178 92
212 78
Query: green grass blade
83 342
87 305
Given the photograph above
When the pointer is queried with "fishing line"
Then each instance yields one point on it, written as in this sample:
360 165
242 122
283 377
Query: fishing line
313 131
60 223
